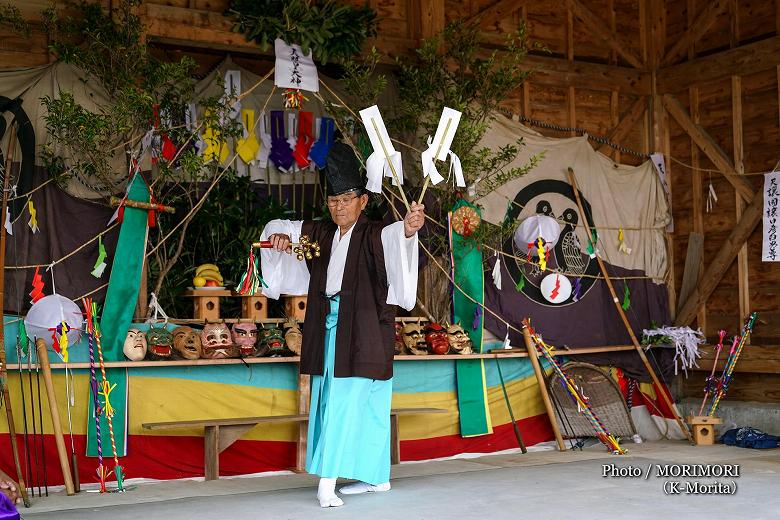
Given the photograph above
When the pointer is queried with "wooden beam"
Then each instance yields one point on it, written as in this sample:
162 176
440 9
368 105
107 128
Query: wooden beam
431 13
708 145
697 197
559 72
632 117
725 255
745 59
600 30
692 270
742 256
496 11
700 26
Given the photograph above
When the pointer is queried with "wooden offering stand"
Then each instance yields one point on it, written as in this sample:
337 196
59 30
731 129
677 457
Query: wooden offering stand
206 302
703 427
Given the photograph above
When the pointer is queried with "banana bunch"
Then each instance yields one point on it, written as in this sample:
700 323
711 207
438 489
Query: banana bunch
207 275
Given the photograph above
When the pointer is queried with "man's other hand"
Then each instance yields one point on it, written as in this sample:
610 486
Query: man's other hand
414 219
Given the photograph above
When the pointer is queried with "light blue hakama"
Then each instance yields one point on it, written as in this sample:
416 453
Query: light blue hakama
349 420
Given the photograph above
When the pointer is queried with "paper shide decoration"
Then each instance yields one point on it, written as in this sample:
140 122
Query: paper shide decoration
33 222
439 150
384 161
100 263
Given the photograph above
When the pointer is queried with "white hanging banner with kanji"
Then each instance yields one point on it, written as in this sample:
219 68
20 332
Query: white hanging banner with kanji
294 69
770 252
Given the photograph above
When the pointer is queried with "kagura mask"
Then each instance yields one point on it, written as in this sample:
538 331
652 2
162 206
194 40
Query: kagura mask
414 339
437 339
216 342
272 343
186 342
160 342
293 337
245 338
460 342
399 339
135 345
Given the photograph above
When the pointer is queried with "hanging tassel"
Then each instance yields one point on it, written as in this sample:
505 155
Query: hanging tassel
251 281
542 254
520 283
622 247
497 272
577 292
293 98
626 297
37 283
477 318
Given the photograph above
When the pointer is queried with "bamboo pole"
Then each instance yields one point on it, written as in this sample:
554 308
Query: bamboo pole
115 201
43 359
3 368
661 388
532 355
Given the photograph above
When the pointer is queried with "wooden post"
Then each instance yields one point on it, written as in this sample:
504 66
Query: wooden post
43 360
698 195
739 166
667 399
3 371
211 452
304 398
532 355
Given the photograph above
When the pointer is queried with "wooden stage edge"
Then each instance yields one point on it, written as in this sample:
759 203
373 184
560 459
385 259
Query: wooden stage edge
253 361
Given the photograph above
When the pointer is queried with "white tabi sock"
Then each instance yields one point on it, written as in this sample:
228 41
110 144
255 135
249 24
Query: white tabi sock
326 493
362 487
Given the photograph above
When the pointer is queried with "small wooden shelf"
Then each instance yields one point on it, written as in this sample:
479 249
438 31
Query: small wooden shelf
296 359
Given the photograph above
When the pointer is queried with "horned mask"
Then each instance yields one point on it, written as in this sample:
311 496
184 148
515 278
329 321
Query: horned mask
414 339
216 342
245 338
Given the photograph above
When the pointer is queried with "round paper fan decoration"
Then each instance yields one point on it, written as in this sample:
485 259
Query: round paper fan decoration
465 220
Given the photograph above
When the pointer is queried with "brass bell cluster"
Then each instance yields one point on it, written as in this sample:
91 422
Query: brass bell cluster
306 248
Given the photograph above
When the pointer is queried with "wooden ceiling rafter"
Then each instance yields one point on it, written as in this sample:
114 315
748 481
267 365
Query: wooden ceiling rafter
601 30
496 11
624 126
698 28
708 146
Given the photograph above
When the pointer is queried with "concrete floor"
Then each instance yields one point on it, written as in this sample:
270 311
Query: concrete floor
540 484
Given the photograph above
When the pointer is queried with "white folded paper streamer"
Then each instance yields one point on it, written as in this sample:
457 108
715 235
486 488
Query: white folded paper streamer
384 160
439 149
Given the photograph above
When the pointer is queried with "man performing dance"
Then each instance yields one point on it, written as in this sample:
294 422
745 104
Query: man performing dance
348 335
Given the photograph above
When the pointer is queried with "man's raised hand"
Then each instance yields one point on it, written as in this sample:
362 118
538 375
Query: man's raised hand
414 219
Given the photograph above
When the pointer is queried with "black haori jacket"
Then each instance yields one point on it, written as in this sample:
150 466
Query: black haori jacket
366 323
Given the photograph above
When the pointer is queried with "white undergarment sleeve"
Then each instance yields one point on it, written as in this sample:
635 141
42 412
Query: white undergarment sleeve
282 272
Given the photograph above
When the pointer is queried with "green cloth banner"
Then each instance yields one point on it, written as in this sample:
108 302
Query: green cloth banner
118 312
470 374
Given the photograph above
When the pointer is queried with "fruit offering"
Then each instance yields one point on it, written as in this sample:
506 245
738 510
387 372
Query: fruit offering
207 275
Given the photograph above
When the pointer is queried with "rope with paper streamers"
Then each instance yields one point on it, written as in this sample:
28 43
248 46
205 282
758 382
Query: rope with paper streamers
583 404
93 384
105 390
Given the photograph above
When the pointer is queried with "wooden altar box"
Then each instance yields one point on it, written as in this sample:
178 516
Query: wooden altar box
295 307
254 307
206 302
703 428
